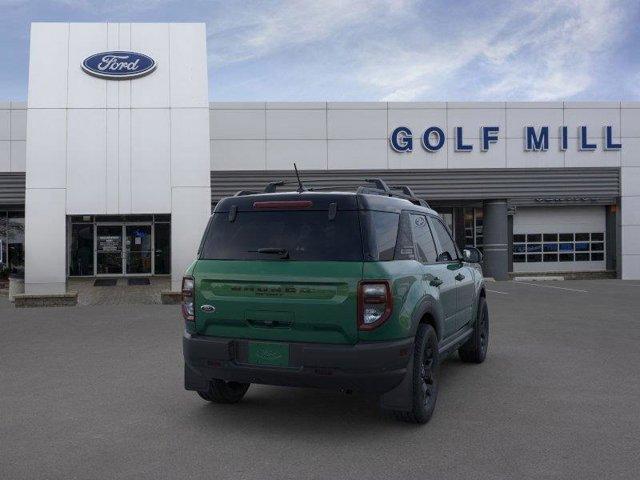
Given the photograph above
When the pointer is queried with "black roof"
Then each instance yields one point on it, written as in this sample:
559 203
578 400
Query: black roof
322 201
374 195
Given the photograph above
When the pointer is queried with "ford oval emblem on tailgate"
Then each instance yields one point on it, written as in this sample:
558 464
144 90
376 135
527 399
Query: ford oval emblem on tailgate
208 308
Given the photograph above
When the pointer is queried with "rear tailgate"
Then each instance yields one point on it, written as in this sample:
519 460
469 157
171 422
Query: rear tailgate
278 300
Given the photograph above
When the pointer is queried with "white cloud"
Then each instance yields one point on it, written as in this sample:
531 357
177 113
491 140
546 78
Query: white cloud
546 51
261 29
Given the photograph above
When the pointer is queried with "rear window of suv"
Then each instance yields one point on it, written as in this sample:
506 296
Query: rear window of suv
308 235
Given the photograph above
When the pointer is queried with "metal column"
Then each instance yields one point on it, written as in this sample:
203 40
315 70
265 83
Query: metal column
496 254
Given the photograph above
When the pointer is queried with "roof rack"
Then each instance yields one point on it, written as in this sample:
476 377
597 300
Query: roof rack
378 187
381 188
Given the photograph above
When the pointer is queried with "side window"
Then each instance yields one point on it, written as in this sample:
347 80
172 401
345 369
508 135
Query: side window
405 250
425 246
446 248
381 233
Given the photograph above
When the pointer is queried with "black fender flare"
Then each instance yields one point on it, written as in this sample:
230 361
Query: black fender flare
428 306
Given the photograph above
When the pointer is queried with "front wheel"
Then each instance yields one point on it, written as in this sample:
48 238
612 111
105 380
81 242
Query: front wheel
425 377
224 392
475 349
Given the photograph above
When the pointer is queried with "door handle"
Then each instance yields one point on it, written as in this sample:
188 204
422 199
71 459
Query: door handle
460 277
435 282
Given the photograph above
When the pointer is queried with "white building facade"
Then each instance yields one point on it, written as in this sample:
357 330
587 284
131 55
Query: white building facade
121 174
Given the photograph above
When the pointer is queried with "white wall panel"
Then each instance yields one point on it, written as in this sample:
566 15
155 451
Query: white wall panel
18 124
111 162
113 43
352 154
151 91
124 86
86 91
517 157
357 124
418 120
191 208
631 239
45 241
296 124
5 156
5 124
592 118
598 158
150 161
188 72
238 124
630 153
307 154
86 161
518 118
472 119
630 181
48 62
47 148
495 157
18 156
124 161
418 158
630 211
238 155
190 164
630 120
630 268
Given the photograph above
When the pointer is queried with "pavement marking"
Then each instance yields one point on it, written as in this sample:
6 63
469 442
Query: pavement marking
551 286
496 291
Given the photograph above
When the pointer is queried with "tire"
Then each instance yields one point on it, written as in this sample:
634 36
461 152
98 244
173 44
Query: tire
224 392
475 349
425 377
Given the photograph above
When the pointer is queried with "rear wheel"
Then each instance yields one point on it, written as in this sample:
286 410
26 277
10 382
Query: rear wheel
425 377
475 349
224 392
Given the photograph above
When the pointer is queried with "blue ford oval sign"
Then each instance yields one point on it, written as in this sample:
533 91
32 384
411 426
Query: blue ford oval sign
118 65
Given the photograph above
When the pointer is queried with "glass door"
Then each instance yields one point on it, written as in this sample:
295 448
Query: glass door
109 250
139 249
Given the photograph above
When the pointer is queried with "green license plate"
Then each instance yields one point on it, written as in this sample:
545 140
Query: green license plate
273 354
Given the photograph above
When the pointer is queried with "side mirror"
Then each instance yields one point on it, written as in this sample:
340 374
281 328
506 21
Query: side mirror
471 255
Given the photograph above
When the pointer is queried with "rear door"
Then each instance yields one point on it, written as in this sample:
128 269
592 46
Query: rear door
280 275
438 279
448 258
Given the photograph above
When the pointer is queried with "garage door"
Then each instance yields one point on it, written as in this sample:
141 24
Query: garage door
559 239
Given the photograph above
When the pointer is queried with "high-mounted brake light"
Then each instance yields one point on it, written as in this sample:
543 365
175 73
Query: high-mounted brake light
283 204
375 304
188 297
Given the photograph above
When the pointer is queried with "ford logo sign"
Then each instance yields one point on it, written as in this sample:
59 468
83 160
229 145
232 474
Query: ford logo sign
118 65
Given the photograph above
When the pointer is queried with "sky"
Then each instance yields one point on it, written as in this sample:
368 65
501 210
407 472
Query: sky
377 50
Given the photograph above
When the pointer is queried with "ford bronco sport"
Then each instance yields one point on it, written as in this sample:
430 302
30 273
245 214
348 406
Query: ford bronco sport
359 291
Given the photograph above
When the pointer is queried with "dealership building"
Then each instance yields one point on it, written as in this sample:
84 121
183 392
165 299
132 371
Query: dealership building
113 164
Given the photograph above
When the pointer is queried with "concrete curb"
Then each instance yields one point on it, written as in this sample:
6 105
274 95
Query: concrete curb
69 299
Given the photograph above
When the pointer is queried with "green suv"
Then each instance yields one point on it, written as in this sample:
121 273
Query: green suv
358 291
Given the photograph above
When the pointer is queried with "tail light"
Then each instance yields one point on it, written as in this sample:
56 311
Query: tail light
375 304
188 297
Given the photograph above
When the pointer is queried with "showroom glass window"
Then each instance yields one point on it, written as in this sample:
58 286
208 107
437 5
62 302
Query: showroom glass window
12 240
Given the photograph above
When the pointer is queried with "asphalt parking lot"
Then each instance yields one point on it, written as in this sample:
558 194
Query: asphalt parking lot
96 392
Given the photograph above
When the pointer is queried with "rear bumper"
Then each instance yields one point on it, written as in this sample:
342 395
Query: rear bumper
375 367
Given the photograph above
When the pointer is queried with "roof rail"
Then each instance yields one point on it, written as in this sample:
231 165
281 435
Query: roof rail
381 188
241 193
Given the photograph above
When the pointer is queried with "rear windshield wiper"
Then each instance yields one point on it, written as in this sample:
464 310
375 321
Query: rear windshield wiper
283 252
